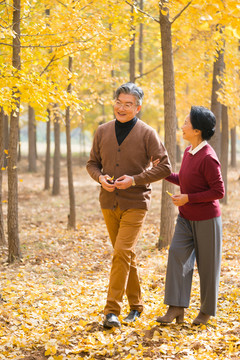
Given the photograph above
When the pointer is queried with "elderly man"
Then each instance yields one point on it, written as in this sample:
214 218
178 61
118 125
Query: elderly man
119 160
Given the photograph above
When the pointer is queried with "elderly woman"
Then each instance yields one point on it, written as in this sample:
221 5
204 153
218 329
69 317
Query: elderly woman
198 231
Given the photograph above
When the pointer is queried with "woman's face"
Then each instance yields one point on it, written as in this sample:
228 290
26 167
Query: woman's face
187 130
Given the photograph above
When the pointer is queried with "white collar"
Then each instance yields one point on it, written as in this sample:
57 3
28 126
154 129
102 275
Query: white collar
197 148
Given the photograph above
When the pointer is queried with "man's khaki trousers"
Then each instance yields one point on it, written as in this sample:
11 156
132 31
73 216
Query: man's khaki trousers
124 227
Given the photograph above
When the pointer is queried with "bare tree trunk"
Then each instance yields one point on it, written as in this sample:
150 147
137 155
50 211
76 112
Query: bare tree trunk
2 234
5 137
234 147
216 106
132 56
48 154
13 233
57 155
140 52
72 215
224 150
32 160
167 207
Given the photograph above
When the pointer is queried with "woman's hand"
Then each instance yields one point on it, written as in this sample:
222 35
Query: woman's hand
180 200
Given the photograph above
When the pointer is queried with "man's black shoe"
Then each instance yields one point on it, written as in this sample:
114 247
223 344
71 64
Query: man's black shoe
132 316
111 320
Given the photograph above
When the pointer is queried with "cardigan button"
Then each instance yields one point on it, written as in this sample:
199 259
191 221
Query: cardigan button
117 164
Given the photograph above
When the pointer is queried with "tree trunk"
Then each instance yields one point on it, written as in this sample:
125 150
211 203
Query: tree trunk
2 234
48 154
5 138
140 52
72 214
216 106
224 150
32 160
167 207
132 56
13 234
234 147
56 159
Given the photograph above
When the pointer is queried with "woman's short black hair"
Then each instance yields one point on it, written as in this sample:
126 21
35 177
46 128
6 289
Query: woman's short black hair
203 119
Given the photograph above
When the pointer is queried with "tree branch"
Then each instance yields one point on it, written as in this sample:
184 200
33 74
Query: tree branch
143 12
155 68
46 67
180 13
61 57
49 46
148 72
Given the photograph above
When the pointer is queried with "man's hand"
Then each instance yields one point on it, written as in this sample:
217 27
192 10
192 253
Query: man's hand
180 200
124 182
103 181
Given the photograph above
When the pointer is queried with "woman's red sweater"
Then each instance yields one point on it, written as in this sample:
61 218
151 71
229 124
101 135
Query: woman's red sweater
200 177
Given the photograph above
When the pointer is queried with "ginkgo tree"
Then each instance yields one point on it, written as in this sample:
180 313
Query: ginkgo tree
47 33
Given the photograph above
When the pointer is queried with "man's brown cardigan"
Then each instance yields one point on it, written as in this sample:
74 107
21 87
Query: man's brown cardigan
132 158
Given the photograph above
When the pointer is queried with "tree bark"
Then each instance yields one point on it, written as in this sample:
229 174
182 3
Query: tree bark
140 52
72 214
2 234
167 207
234 147
13 233
132 56
56 159
216 106
224 150
48 154
32 159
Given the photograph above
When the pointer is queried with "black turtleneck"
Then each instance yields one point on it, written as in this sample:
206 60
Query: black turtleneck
123 129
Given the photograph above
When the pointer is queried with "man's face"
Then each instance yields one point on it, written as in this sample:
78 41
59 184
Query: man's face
125 107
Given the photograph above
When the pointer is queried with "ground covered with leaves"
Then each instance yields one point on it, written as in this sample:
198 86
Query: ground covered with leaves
53 300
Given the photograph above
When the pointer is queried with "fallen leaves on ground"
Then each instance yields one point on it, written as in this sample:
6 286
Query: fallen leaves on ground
52 302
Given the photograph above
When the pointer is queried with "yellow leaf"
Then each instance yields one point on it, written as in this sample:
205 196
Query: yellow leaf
6 151
164 12
204 26
236 33
3 168
51 350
